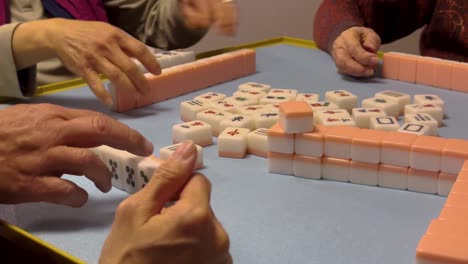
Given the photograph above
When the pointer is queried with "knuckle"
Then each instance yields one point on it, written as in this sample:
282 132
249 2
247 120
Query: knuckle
113 74
140 49
126 208
223 241
100 124
167 173
85 157
200 216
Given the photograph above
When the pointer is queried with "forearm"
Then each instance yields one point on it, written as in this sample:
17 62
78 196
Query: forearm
334 17
31 43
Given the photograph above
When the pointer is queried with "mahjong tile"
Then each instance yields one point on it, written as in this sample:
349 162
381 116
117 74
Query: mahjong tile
199 132
309 97
257 95
237 121
342 98
241 100
265 119
253 109
224 105
213 117
271 99
232 142
423 119
189 109
166 152
401 98
431 109
333 113
289 93
362 115
257 142
210 97
390 107
429 99
385 123
323 105
254 86
337 121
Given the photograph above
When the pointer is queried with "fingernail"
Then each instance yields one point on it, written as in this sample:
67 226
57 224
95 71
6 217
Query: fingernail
374 60
149 147
185 151
369 72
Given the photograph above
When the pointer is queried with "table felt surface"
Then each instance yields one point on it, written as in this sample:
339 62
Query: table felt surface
270 218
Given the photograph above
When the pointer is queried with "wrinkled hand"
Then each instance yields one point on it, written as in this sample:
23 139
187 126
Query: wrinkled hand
89 48
355 51
204 13
39 143
144 231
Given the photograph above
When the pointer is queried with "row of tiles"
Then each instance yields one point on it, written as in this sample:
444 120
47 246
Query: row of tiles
373 146
186 78
445 240
430 71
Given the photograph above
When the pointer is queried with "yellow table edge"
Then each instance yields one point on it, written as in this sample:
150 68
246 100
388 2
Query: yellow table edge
15 233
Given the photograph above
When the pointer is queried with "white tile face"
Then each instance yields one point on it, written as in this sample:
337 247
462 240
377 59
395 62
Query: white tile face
289 93
401 98
256 95
199 132
270 99
417 129
338 121
257 142
232 142
364 176
335 172
281 166
323 105
337 150
253 86
210 97
253 109
434 110
385 123
189 109
213 117
395 157
281 144
445 183
146 169
265 119
393 180
129 171
297 124
423 119
308 147
237 121
224 105
429 99
451 164
110 157
342 98
364 153
425 161
390 107
362 116
422 183
241 100
308 167
166 152
332 113
308 97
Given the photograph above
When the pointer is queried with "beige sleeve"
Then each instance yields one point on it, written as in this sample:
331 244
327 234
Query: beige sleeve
157 23
13 83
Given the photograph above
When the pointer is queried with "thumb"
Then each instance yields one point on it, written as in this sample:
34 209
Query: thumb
168 180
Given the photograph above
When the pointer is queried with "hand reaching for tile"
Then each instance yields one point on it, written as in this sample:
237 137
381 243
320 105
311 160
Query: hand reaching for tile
42 142
144 231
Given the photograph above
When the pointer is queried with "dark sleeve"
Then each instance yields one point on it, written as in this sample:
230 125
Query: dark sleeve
391 19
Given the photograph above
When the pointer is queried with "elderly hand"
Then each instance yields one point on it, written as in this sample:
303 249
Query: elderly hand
144 231
89 48
40 143
204 13
355 51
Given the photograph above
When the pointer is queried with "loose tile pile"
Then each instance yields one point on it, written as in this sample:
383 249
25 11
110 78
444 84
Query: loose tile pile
445 74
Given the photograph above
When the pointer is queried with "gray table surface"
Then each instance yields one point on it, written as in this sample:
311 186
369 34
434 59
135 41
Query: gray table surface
271 218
